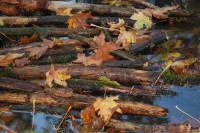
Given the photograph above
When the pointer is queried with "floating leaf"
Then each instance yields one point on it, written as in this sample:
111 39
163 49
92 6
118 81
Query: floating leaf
5 60
79 20
108 81
141 20
105 107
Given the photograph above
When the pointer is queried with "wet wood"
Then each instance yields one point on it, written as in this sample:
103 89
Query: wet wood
78 101
80 72
56 20
44 32
10 84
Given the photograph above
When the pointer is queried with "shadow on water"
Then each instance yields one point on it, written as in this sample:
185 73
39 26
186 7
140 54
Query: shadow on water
187 97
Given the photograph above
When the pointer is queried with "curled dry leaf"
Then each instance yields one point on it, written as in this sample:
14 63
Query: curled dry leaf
141 20
79 20
105 106
21 62
33 38
114 26
58 76
157 13
63 11
5 60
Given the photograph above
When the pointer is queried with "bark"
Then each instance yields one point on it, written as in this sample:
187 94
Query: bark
155 39
77 101
17 85
80 72
44 32
106 9
56 20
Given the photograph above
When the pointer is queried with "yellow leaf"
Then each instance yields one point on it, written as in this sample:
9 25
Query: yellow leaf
105 107
141 20
63 11
5 60
114 26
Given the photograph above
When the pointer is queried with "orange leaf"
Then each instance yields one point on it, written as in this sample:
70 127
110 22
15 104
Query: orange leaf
87 114
116 26
5 60
9 9
79 20
6 115
33 38
10 1
63 11
33 5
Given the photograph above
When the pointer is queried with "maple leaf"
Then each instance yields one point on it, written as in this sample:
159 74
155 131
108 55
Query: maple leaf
37 52
50 43
9 9
63 11
88 60
33 38
105 106
79 20
5 60
141 20
33 5
157 13
21 62
100 39
114 26
58 76
126 38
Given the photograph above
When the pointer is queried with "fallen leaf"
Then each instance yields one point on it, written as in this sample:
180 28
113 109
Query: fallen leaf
179 128
50 43
81 58
6 115
37 52
114 26
21 62
79 20
105 106
157 13
10 1
100 39
9 9
33 38
5 60
87 114
63 11
141 20
125 38
58 76
33 5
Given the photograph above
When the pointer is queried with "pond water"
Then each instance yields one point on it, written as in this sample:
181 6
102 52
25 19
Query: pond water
187 98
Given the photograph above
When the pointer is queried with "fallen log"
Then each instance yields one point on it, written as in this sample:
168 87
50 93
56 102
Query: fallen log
78 101
106 9
80 72
56 20
44 32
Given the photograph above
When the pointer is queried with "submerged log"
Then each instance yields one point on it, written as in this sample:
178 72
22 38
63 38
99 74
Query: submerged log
44 32
80 72
77 101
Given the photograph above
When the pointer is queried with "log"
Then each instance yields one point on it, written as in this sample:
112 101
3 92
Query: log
78 101
106 9
56 20
10 84
80 72
44 32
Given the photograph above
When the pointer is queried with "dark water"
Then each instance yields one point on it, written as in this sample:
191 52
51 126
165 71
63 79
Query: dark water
187 99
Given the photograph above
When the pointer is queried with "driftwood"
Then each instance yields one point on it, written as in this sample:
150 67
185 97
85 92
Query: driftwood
56 20
80 72
65 97
106 9
44 32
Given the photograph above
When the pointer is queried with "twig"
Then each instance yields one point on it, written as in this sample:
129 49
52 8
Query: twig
63 119
33 114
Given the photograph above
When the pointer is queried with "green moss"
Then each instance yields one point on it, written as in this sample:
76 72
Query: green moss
180 79
63 59
107 81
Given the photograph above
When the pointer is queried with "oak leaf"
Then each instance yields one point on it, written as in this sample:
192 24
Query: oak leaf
105 107
63 11
79 20
25 39
157 13
141 20
58 76
5 60
114 26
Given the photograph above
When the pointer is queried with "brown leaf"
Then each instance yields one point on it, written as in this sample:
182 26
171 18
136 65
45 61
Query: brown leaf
99 40
37 51
48 42
9 9
21 62
10 1
6 115
33 5
88 60
33 38
79 20
157 13
5 60
87 114
178 128
63 11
